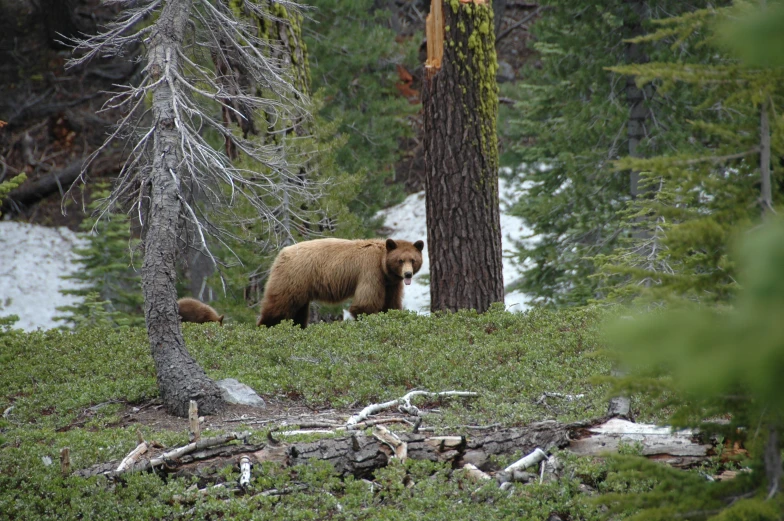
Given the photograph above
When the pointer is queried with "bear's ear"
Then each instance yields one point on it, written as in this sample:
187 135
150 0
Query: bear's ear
391 245
220 320
419 245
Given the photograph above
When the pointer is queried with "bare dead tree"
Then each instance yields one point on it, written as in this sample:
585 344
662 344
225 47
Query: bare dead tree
166 115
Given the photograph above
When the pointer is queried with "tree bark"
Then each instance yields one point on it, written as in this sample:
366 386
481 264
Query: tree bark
766 193
180 379
460 103
638 111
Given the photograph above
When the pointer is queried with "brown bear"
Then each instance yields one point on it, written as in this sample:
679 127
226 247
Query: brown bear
332 270
192 310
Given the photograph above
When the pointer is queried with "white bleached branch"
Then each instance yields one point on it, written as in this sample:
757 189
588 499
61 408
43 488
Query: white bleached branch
132 457
403 403
245 467
532 459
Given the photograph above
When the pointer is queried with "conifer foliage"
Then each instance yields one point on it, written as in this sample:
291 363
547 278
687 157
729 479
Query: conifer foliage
9 184
718 180
706 162
111 288
354 58
720 364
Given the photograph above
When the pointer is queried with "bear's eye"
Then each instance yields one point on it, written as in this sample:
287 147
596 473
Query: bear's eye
400 261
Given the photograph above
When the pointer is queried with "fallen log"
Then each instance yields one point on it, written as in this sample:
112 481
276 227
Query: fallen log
58 181
360 454
680 448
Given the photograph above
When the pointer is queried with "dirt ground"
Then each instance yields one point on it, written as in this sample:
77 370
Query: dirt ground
276 413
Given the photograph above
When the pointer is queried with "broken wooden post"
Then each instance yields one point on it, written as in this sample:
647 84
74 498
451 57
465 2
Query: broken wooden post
65 461
434 32
193 422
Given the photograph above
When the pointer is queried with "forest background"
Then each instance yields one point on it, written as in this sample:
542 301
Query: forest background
647 136
638 158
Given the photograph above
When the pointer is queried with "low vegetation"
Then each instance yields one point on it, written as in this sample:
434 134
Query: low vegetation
71 389
75 389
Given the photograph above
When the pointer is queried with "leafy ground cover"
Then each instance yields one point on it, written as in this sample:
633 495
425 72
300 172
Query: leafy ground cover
74 389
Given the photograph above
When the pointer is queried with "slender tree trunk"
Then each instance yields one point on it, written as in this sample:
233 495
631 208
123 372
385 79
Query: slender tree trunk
499 9
180 379
643 230
638 111
772 460
766 196
460 102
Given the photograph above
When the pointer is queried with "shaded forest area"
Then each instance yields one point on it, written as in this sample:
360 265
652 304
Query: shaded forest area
55 119
53 116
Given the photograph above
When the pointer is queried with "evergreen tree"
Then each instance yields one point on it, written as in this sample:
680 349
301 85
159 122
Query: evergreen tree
717 181
111 287
10 184
571 123
310 143
348 57
720 364
460 105
7 322
354 57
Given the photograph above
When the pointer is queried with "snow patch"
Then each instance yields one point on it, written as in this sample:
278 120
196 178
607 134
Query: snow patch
32 259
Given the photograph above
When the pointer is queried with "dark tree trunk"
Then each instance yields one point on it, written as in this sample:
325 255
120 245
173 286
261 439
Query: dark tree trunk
766 192
638 110
60 21
460 102
283 30
180 379
499 9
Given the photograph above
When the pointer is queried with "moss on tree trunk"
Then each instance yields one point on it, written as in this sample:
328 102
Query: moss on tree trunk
460 102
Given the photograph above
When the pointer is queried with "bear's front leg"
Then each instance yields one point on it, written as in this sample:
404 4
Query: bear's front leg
394 297
368 298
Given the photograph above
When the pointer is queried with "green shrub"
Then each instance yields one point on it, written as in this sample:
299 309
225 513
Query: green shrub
69 389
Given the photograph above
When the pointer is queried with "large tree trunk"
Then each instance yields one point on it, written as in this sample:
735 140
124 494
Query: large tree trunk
460 101
180 379
283 30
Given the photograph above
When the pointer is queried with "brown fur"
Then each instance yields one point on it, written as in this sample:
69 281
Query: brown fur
333 270
192 310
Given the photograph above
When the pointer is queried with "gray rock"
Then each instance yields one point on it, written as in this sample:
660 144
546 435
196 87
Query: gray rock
505 72
239 393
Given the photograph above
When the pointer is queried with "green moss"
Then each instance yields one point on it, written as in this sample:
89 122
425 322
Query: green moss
480 64
236 7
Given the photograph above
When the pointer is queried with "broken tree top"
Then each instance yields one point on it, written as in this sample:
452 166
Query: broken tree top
434 32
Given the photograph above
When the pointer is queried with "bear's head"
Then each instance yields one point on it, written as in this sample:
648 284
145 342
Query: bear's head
404 258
